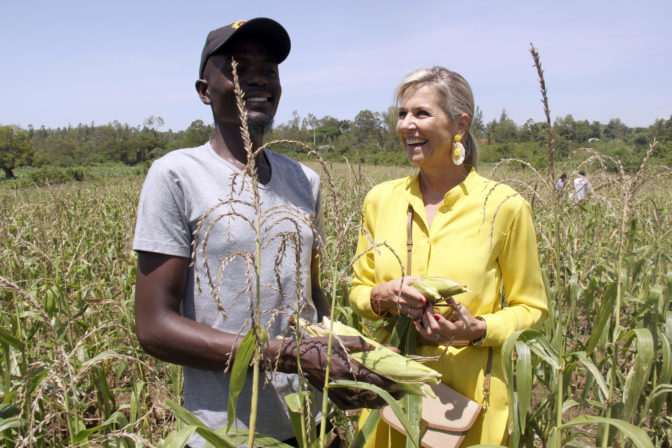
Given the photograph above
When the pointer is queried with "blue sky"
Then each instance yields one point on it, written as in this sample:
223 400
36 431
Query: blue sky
81 61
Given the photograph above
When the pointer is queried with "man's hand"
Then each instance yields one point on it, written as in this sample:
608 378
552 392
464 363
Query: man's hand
314 364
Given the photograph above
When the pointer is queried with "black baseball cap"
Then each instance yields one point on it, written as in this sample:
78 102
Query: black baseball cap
266 30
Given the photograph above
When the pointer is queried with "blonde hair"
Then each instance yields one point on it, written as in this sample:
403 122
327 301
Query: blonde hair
456 99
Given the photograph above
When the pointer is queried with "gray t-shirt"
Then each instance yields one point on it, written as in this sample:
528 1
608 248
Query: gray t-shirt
189 185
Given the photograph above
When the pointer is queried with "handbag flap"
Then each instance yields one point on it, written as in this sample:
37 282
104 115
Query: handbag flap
450 410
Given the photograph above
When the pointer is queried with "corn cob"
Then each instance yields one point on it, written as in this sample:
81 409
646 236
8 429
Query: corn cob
411 376
436 288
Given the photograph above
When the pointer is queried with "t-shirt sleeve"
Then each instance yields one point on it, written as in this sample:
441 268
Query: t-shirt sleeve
318 221
162 225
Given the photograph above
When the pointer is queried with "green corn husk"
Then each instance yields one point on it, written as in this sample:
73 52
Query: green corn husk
411 376
436 288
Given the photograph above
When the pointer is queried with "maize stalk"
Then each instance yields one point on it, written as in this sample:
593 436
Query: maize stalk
411 376
436 288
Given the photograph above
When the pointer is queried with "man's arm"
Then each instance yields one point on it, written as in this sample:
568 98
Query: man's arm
169 336
162 331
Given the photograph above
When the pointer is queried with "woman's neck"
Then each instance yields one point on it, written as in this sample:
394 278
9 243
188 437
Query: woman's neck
434 184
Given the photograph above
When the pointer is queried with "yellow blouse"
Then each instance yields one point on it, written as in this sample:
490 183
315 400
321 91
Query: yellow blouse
482 236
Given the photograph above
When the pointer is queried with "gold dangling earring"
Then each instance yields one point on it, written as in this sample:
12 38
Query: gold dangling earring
458 150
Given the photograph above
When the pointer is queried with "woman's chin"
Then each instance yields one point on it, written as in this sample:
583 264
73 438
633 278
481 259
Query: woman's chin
414 159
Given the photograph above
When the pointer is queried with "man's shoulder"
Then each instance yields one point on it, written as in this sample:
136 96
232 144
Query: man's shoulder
183 162
184 154
287 165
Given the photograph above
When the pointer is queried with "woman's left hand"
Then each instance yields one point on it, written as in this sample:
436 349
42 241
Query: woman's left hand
459 330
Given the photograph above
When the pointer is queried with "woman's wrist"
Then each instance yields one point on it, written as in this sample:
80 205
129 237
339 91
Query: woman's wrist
376 304
481 331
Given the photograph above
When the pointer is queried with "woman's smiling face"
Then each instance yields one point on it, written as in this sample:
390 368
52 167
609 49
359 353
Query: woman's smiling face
424 128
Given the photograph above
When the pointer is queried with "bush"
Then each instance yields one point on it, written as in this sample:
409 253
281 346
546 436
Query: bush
52 175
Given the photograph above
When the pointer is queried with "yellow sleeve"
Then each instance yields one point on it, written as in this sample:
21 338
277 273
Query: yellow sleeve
364 266
524 289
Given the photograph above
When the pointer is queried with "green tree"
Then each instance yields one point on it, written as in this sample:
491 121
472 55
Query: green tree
368 127
477 124
504 130
390 138
197 134
616 129
15 149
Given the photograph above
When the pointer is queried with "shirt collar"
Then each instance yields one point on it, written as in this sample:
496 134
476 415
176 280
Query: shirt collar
414 194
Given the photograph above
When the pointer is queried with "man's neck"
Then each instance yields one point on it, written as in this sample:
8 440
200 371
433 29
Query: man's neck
228 144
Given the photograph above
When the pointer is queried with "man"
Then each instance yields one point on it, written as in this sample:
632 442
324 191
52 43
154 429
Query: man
581 187
192 308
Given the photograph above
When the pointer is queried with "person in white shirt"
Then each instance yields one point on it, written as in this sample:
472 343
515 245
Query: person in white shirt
581 187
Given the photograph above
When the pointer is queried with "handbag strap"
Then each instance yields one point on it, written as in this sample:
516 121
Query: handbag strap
409 239
409 252
486 382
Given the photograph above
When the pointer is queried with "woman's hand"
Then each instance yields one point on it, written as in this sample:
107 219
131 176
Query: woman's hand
398 295
459 330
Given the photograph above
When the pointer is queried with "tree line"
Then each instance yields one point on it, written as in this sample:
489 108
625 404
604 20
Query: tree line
370 137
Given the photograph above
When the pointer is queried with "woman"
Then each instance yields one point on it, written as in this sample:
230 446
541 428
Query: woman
464 227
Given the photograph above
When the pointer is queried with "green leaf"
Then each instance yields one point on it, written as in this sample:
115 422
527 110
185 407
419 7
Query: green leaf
398 411
595 372
83 435
11 340
103 390
117 417
297 403
9 423
507 367
367 429
657 394
638 377
554 438
665 374
107 354
241 436
603 316
184 415
8 410
541 347
216 440
179 438
239 373
413 404
634 433
523 382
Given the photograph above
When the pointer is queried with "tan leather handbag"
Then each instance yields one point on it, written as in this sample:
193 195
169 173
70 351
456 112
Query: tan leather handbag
445 419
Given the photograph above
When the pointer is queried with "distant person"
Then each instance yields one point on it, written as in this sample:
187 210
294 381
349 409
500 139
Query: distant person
561 182
582 187
181 322
462 226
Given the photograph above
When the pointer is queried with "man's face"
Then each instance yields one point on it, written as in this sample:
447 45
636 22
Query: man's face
259 81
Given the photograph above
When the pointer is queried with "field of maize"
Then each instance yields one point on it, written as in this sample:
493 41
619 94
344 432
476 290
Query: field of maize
598 374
